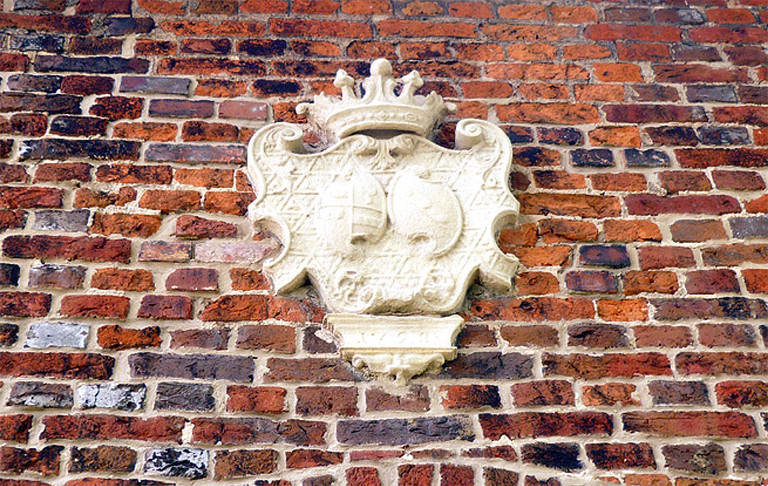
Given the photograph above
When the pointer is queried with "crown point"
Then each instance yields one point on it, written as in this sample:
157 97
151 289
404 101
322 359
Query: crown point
381 67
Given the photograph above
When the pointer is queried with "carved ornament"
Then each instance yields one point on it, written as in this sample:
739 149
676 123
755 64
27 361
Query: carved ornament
388 226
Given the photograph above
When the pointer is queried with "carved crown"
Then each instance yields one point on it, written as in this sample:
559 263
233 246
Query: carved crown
379 108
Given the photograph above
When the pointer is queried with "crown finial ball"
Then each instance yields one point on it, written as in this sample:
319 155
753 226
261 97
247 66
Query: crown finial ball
381 67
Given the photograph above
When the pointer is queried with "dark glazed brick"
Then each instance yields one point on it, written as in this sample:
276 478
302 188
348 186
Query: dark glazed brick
30 82
56 276
564 457
78 126
724 135
621 456
262 47
181 108
592 158
54 148
704 94
560 136
271 87
9 334
48 103
751 457
679 392
605 256
591 282
95 64
119 26
184 396
37 42
646 158
703 459
397 432
489 365
9 275
751 227
192 366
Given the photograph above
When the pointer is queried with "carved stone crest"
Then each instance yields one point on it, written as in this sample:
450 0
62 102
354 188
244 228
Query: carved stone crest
388 226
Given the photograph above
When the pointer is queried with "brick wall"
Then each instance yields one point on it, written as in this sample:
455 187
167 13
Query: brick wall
141 347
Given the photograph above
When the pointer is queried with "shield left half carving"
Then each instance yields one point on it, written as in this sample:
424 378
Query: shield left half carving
386 223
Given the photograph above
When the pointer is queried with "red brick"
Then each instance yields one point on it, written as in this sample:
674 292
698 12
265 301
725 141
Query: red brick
85 198
122 279
663 336
583 51
730 335
663 282
609 394
134 174
533 309
243 463
714 363
470 396
259 399
618 73
413 399
737 35
117 108
659 257
740 157
697 73
606 365
15 427
78 366
542 393
631 230
643 52
415 474
573 15
584 206
251 307
277 338
108 427
536 283
677 181
192 279
623 310
87 85
530 336
756 280
616 136
143 225
711 281
690 424
648 33
72 248
362 476
545 424
17 197
73 171
200 338
694 230
626 182
118 338
228 202
101 306
170 201
737 394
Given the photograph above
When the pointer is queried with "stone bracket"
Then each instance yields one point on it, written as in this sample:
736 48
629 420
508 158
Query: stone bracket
402 346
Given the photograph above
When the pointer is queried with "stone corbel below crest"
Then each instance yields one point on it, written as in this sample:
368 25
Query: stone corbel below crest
388 226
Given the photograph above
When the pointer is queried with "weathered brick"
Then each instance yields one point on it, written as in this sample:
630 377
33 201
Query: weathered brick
711 281
489 365
112 396
165 307
419 430
182 462
54 148
225 154
281 339
243 463
200 338
102 459
310 369
143 225
164 251
609 394
413 399
94 64
237 431
45 461
184 396
41 395
562 456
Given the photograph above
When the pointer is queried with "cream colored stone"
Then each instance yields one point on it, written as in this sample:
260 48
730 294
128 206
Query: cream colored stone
385 222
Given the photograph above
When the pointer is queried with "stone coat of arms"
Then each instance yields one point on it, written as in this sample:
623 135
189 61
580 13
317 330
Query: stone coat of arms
388 226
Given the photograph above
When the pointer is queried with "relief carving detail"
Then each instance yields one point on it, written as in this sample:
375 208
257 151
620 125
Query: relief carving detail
388 226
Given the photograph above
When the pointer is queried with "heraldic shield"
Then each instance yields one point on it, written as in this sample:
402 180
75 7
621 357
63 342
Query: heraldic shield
388 226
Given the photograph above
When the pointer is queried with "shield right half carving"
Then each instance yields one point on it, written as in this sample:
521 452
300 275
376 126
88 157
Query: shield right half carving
391 228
